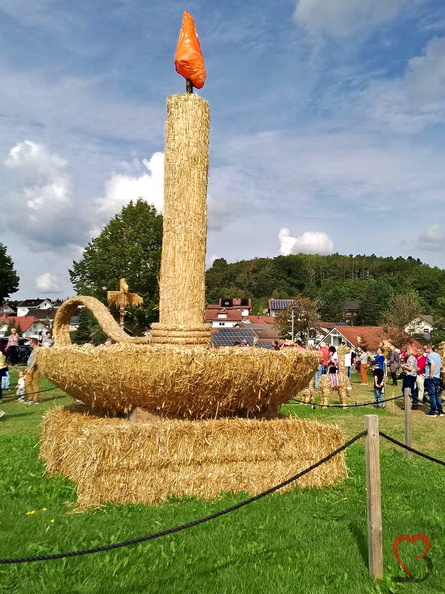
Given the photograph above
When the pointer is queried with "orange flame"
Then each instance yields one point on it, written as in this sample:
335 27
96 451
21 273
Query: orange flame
189 61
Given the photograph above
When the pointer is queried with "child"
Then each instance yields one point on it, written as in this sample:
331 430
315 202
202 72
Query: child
3 374
6 381
20 392
379 383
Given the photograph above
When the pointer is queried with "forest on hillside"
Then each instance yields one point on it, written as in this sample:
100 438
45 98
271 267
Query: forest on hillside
331 280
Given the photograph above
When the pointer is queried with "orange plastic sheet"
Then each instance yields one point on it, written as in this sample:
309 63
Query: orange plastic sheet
189 61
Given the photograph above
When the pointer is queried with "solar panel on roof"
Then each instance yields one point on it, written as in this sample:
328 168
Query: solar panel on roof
281 303
228 336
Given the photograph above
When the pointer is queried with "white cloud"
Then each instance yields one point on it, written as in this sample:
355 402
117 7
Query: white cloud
310 242
47 283
144 179
432 238
38 196
342 17
404 105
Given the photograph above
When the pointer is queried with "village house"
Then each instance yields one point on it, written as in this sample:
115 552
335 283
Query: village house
358 337
422 326
27 326
30 305
349 311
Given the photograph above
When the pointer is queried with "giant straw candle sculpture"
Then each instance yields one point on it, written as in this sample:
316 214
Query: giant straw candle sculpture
182 289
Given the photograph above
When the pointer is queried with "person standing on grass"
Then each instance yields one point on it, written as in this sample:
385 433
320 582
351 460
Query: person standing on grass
324 352
348 362
3 372
12 347
32 375
432 381
409 380
394 364
364 367
379 383
420 378
323 365
380 359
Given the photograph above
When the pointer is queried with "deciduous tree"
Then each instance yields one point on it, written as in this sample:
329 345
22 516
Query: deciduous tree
402 309
129 246
9 280
305 316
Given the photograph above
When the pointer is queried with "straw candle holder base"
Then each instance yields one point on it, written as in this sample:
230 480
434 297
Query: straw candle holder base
114 460
181 335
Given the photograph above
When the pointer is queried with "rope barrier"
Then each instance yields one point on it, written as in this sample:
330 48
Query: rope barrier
357 404
227 510
29 393
402 445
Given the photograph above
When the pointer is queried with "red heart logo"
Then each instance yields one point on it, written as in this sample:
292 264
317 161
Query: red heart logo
412 540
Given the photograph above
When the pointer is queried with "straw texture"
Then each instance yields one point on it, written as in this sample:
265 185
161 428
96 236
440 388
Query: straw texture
112 460
181 286
108 323
193 382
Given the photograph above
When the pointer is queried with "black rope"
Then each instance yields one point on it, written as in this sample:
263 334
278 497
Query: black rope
227 510
403 445
29 393
357 404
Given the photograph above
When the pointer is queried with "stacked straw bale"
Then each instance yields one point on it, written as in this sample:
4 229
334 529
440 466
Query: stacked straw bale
192 382
112 460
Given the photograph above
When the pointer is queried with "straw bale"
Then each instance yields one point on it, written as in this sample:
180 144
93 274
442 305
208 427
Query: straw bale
113 460
193 382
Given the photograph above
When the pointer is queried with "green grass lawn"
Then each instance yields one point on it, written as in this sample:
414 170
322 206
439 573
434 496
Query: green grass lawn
311 541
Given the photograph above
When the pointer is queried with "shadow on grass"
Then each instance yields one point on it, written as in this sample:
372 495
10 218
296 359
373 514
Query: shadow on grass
361 539
14 415
213 568
54 398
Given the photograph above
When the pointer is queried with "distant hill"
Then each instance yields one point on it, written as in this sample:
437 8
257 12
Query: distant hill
330 279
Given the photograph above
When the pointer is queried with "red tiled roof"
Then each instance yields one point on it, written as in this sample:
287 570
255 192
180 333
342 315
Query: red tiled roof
230 315
262 320
372 336
22 322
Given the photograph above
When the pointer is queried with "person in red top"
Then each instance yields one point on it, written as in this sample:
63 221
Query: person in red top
420 378
322 369
325 354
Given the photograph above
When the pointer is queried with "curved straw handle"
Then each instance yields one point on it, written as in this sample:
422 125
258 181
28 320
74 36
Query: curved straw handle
107 322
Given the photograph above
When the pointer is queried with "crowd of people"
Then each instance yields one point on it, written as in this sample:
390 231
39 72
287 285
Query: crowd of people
27 388
420 369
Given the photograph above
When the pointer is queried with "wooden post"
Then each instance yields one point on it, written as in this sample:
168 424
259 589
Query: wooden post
407 394
375 540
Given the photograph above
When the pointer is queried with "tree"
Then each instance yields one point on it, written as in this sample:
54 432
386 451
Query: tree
402 309
9 280
438 334
374 301
128 247
305 317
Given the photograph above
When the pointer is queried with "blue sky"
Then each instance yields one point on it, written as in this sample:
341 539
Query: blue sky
327 125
